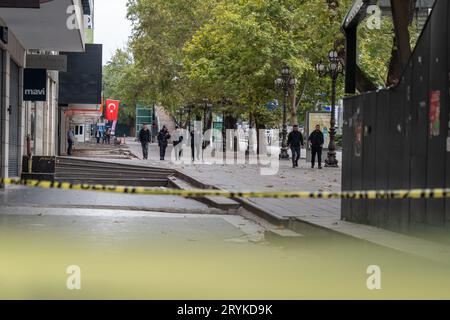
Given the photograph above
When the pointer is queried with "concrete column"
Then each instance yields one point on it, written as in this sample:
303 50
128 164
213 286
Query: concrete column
29 107
22 134
52 119
64 125
45 108
38 136
56 121
5 115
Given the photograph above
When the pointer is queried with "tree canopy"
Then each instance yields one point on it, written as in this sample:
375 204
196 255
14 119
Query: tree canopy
184 52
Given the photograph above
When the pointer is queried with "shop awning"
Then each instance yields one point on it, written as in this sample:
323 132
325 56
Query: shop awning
50 27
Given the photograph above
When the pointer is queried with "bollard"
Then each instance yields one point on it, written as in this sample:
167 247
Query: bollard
29 155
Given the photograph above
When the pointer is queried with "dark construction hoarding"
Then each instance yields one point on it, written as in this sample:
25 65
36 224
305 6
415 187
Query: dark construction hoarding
398 138
82 83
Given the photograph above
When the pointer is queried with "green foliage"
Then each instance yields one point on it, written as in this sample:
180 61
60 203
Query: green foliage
241 50
182 52
375 49
160 30
119 83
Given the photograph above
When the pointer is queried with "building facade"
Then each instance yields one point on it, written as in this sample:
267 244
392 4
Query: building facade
31 28
80 105
80 94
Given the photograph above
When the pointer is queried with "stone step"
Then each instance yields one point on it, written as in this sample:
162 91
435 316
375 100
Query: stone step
82 163
38 176
77 171
105 156
117 181
118 175
94 170
283 236
215 202
221 203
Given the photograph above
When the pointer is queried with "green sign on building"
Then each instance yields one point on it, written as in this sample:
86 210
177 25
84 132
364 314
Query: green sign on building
144 114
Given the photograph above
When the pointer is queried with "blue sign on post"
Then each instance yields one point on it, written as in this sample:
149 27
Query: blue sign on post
272 105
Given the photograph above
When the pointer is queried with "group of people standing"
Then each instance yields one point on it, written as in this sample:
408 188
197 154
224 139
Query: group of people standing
177 138
315 140
295 143
105 137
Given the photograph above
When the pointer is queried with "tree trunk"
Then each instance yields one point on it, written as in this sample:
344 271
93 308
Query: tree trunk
250 127
402 10
230 123
294 119
259 126
395 67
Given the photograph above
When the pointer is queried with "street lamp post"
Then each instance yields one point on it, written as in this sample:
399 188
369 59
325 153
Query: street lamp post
287 83
180 116
189 110
333 69
206 108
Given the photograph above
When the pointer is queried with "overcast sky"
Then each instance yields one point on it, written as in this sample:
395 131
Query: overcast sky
111 27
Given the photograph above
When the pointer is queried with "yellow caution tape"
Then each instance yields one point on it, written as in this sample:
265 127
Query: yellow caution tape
370 194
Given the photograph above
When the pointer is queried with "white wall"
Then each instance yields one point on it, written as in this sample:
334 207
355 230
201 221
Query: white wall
46 113
15 51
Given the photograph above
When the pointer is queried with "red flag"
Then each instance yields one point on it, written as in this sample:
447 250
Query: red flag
112 110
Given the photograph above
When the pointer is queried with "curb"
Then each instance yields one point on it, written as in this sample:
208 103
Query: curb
246 204
368 235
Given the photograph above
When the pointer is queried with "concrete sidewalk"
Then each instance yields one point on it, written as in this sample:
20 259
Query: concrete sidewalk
19 196
310 217
247 177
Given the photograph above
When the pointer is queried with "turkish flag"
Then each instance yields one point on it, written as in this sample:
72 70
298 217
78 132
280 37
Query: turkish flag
112 110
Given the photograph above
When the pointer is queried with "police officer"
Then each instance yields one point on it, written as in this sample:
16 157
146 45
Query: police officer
295 142
144 138
316 142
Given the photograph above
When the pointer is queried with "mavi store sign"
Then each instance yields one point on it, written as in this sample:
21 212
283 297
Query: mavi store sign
35 85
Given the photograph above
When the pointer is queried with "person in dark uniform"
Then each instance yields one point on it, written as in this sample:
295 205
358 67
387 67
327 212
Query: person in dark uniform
316 142
295 143
98 135
144 138
163 138
196 144
70 141
108 136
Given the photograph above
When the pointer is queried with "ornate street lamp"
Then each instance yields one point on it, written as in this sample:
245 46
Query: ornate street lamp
180 113
286 83
334 68
188 108
206 112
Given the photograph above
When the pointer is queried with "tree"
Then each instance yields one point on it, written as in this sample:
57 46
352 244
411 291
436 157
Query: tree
188 51
123 81
402 14
374 53
160 30
241 50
